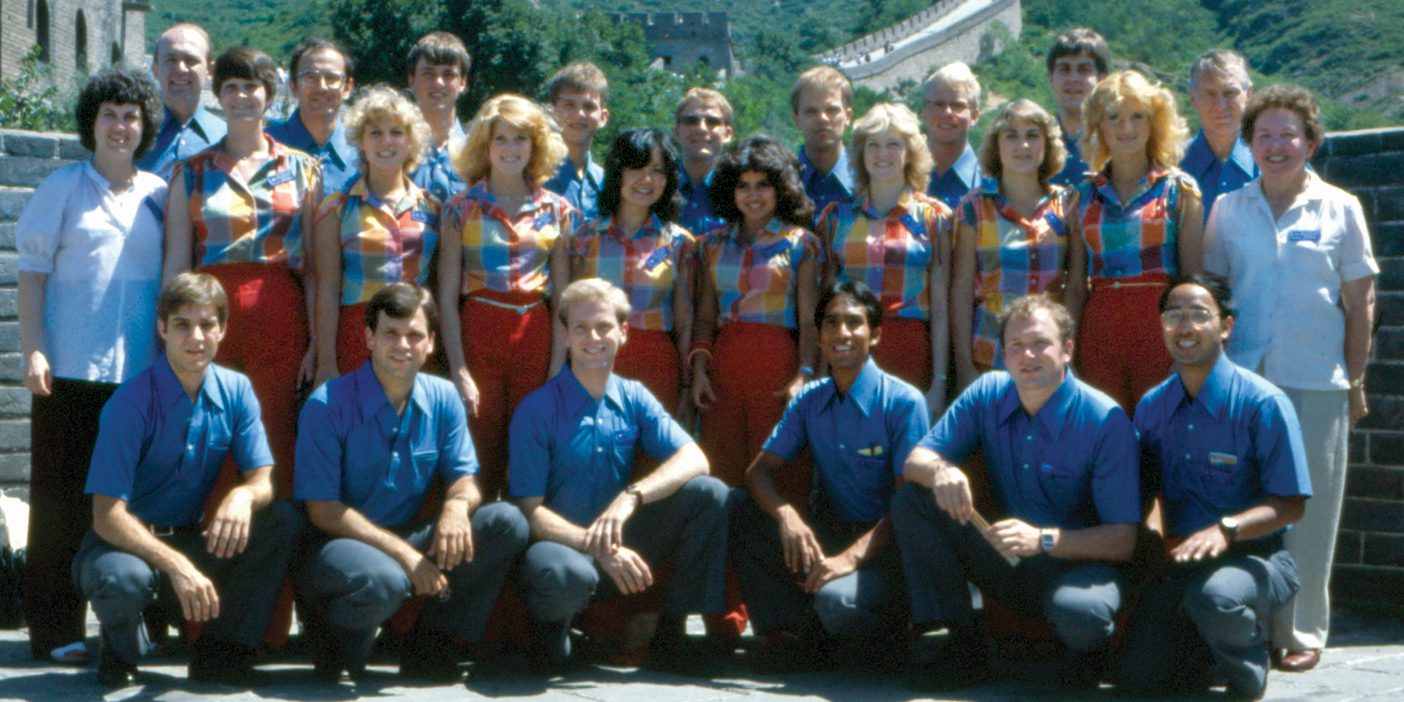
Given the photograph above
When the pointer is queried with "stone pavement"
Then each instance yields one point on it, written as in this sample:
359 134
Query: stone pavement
1365 662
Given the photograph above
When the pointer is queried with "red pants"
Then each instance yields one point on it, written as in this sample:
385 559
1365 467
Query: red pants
508 352
266 339
651 358
351 349
905 351
1121 348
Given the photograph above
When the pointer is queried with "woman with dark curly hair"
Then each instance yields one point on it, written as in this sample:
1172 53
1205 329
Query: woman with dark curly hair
637 244
89 245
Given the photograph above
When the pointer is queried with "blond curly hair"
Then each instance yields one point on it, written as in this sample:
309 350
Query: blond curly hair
381 104
547 147
1168 131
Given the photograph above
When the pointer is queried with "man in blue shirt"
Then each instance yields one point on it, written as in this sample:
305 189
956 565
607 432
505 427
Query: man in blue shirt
822 102
1061 464
835 573
1223 450
578 94
702 125
595 534
370 446
1218 158
437 68
951 106
163 438
320 79
181 64
1078 59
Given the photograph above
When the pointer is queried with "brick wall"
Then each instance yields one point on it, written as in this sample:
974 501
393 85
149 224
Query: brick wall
102 21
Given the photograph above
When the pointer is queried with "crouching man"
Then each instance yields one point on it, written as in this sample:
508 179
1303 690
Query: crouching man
162 440
594 533
370 445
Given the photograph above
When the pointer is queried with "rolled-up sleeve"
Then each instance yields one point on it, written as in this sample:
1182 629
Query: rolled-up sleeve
1357 256
41 223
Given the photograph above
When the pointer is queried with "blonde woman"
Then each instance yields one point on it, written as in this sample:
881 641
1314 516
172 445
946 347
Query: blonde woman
1142 222
502 259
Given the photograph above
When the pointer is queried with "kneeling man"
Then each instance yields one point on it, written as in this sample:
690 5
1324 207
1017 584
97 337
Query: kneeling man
595 534
835 574
370 446
1225 452
162 440
1062 465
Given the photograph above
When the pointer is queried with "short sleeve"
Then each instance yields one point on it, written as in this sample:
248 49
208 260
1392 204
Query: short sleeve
1357 257
41 222
659 434
806 248
957 434
1279 450
529 450
1215 256
250 442
579 243
1116 472
908 421
319 451
1146 421
330 207
789 436
966 209
123 431
457 455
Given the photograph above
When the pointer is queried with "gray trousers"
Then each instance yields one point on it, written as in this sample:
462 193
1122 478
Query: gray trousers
865 604
1079 599
120 585
557 581
1208 620
351 587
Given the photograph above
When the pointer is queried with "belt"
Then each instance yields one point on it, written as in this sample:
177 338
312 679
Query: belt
1096 284
158 530
519 309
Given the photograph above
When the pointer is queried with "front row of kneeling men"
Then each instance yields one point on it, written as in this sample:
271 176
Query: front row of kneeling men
882 554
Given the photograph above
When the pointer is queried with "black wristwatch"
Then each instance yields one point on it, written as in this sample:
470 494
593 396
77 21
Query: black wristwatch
1229 526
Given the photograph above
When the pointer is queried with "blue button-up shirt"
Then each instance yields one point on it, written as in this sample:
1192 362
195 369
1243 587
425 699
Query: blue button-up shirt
579 189
353 448
823 188
1217 177
1074 168
962 177
859 440
435 172
576 452
338 157
1222 451
161 452
177 142
696 216
1072 465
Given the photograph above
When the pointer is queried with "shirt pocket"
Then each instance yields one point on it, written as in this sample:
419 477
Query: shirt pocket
624 441
1062 487
1224 479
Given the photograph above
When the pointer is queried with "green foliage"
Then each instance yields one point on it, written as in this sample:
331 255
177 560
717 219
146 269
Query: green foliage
379 33
29 101
273 26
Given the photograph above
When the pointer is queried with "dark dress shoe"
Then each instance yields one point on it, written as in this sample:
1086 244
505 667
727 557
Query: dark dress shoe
112 672
1300 661
224 663
430 656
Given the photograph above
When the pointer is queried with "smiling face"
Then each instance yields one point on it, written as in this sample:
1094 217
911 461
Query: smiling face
1219 99
822 117
702 130
641 187
1072 80
385 145
117 130
398 347
1034 354
1021 147
580 115
1279 143
181 66
243 100
320 83
509 152
845 338
948 113
1126 129
436 86
191 334
1194 326
885 157
594 334
755 198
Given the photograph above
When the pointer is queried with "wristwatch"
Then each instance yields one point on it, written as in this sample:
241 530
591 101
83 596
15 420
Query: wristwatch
1357 383
1229 526
637 493
1046 540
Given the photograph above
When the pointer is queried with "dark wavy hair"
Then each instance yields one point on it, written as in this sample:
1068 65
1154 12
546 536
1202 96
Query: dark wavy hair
246 63
634 149
761 154
119 86
855 290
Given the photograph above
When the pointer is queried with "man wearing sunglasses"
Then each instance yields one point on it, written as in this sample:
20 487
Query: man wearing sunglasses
321 81
702 124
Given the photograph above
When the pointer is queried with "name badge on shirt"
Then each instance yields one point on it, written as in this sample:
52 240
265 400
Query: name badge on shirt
873 451
423 217
546 217
913 225
280 177
1313 236
658 256
1217 458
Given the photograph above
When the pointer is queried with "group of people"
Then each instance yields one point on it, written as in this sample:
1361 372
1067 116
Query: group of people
812 311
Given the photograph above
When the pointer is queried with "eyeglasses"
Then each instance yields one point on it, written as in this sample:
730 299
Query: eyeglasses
1198 316
708 121
331 81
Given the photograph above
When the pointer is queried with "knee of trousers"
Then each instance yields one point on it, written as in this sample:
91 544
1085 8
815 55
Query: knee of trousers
1082 622
840 615
122 588
557 588
283 522
705 495
501 527
1221 621
369 598
914 509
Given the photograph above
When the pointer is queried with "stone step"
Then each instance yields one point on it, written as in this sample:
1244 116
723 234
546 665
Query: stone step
12 202
27 171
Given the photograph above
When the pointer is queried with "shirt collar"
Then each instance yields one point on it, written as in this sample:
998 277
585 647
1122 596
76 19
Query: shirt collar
841 170
1199 156
337 147
277 155
652 227
1316 189
479 191
372 397
863 392
1053 415
169 390
686 185
903 206
1102 182
361 189
575 395
774 226
1214 393
967 167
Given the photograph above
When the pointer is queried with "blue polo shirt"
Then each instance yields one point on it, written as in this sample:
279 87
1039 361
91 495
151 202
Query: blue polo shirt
177 142
576 452
963 176
696 215
1222 451
338 157
1072 465
579 189
1074 168
1217 177
859 440
353 448
435 173
161 452
823 188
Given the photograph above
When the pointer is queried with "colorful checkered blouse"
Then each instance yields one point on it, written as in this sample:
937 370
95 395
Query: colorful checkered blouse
645 265
381 242
890 252
255 222
1139 237
505 253
757 282
1015 256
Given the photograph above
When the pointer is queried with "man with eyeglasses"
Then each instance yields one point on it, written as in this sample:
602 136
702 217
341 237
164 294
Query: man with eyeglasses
182 65
321 81
952 104
702 124
1224 452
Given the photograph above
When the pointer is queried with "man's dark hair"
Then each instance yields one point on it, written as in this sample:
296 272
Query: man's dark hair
401 301
310 44
120 87
439 49
1081 40
1216 286
634 149
856 290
